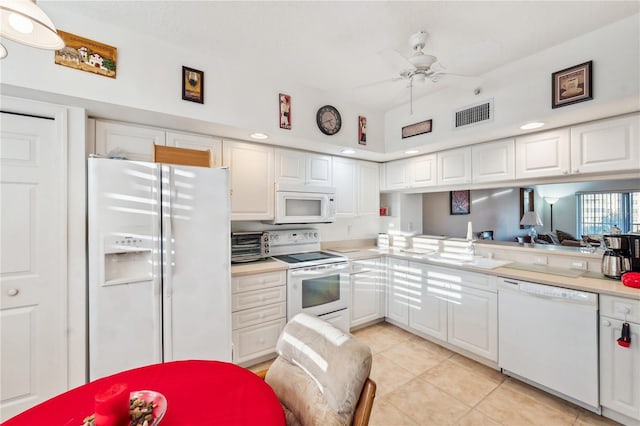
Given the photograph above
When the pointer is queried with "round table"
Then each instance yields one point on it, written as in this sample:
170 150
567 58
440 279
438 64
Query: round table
197 393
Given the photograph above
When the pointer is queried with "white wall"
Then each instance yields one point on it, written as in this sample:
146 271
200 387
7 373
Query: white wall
522 92
149 78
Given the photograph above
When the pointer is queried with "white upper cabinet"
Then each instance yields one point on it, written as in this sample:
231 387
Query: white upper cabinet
303 168
251 177
199 142
423 170
454 166
345 175
493 161
368 188
396 174
133 142
357 187
606 146
542 154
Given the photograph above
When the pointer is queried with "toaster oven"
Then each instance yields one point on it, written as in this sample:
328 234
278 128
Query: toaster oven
249 246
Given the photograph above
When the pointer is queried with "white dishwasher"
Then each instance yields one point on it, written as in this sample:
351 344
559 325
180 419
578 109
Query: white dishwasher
548 337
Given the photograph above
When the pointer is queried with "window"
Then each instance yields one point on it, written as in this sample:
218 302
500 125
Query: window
599 211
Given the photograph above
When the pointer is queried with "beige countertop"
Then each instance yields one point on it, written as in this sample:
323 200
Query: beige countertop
259 267
588 281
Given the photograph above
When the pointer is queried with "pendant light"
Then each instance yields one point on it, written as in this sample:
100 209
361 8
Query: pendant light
24 22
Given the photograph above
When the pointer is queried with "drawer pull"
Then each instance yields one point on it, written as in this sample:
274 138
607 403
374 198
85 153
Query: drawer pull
261 341
605 323
13 292
623 310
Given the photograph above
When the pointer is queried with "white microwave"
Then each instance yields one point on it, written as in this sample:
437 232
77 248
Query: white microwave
295 204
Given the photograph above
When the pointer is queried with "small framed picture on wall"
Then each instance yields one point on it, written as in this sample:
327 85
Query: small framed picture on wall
460 202
362 130
192 85
285 111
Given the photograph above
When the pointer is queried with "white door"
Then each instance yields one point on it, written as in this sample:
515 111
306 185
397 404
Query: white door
32 263
319 170
424 170
606 146
368 188
428 312
199 142
493 162
542 154
251 180
133 142
290 167
344 174
473 322
454 166
396 174
366 292
398 295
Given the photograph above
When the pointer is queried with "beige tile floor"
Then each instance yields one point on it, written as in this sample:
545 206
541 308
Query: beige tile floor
421 383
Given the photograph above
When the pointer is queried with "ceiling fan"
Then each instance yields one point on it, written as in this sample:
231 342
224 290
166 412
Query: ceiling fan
423 66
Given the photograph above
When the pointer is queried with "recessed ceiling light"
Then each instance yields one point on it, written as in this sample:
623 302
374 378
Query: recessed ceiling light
348 151
258 135
532 125
412 151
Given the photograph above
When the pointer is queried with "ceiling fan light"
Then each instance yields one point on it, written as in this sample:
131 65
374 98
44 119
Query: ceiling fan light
3 52
24 22
420 60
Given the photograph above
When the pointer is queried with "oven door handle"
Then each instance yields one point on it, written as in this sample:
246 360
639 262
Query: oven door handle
321 269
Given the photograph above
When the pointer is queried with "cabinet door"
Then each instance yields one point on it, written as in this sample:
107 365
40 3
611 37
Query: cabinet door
619 369
366 291
368 189
256 341
290 167
318 170
251 179
199 142
454 166
396 174
542 154
493 162
424 170
398 291
134 142
606 146
473 322
344 173
428 313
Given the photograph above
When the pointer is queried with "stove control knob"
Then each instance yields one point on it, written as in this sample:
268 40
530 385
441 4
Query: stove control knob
315 235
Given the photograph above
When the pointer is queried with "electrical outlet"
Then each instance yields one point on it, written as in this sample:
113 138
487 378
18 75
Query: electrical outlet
540 260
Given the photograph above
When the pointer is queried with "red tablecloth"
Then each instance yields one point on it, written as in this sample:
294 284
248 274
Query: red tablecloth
197 392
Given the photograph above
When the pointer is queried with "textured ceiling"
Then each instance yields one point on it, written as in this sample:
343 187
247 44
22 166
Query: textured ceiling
356 48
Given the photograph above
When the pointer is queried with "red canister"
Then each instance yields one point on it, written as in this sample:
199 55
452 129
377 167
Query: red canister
631 279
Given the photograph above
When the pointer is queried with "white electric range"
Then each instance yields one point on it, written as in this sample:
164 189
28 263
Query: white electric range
317 281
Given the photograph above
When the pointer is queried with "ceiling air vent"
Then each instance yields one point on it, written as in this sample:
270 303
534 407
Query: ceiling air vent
474 114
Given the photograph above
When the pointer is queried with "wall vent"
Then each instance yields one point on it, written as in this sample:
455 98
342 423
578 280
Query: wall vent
474 114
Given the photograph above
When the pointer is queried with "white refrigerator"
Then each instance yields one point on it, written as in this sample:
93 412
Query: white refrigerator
159 264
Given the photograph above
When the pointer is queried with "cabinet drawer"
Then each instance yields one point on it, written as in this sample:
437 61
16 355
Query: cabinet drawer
448 277
256 341
620 308
257 298
258 281
259 315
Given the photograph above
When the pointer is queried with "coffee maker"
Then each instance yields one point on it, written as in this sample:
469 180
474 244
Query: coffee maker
617 258
634 250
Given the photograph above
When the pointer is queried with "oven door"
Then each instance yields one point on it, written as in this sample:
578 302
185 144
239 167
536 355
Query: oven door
318 290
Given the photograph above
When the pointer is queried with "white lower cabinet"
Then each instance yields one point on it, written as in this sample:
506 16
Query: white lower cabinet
619 366
454 306
259 313
367 291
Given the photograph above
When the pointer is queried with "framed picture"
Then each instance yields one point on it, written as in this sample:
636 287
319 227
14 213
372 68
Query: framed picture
285 111
362 130
460 202
526 203
416 129
192 85
572 85
87 55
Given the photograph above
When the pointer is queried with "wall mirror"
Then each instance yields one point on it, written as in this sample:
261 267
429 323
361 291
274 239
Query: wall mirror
526 202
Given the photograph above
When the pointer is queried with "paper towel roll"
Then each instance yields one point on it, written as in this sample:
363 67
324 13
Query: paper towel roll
469 232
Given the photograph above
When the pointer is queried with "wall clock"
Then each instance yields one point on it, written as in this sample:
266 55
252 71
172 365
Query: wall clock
328 120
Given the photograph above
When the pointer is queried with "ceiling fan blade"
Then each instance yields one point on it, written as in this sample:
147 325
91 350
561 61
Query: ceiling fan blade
394 59
451 79
377 83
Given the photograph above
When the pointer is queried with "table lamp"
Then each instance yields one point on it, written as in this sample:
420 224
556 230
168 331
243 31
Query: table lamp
532 220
